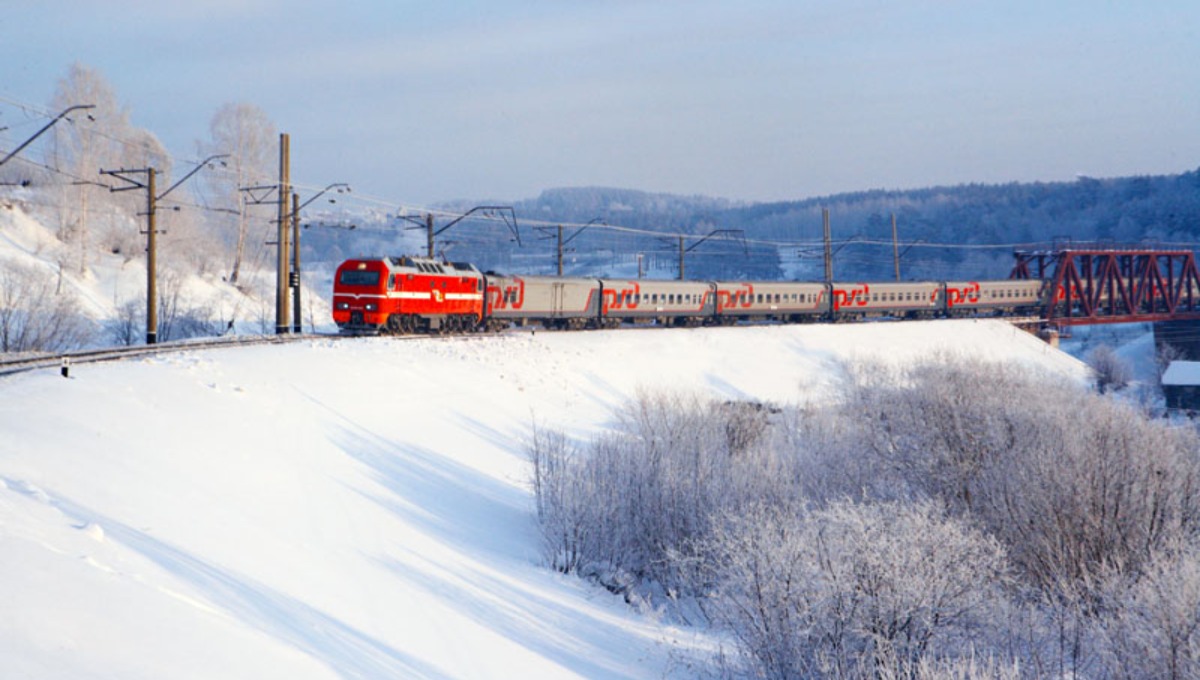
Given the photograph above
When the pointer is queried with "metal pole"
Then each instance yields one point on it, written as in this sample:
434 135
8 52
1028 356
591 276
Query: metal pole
560 250
681 251
297 318
151 262
895 247
429 235
281 269
828 246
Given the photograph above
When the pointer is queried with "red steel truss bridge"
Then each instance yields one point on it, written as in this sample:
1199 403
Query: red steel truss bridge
1094 285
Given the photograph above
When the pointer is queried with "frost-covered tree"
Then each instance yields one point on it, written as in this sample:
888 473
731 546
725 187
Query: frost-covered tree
82 146
851 590
247 135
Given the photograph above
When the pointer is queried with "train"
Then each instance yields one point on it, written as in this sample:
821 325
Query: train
408 294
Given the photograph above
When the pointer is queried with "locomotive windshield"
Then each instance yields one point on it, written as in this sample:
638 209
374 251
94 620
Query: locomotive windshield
355 277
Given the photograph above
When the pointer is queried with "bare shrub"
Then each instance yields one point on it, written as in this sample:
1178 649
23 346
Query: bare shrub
1153 622
1097 487
1071 482
651 487
34 315
1109 370
565 504
852 590
129 323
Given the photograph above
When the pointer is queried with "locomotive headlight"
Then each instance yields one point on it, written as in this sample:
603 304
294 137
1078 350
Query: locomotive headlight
342 305
371 306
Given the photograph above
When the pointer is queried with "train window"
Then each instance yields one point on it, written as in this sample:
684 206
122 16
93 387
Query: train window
355 277
392 281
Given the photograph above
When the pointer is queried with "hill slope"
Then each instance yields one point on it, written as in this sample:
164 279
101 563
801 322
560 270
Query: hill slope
356 509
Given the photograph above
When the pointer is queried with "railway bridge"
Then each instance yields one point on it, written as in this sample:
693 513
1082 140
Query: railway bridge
1097 285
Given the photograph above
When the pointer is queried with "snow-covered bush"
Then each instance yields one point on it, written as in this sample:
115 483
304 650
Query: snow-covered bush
1071 482
1110 371
851 590
650 488
1153 622
35 315
954 519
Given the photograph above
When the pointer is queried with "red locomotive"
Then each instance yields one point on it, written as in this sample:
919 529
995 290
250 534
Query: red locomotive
406 295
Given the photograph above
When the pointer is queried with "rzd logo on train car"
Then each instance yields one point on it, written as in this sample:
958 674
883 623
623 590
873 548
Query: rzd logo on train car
623 298
968 294
743 296
507 297
854 297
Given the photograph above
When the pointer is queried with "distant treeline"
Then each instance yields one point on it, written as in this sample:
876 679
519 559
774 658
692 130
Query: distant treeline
968 230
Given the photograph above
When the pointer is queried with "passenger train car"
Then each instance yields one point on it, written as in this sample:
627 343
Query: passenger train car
412 294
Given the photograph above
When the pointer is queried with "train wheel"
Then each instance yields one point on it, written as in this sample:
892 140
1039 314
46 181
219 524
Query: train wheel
394 325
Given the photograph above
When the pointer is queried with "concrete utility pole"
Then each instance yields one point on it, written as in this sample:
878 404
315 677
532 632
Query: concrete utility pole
151 261
281 274
563 242
152 199
828 246
895 247
429 235
681 252
294 277
504 211
560 250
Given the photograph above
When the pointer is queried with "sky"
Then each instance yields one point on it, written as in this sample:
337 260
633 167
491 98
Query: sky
755 100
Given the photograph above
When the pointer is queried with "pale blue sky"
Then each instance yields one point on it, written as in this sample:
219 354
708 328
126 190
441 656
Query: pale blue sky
754 99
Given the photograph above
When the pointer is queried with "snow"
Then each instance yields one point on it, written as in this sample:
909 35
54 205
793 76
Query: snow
350 508
1183 373
358 508
112 280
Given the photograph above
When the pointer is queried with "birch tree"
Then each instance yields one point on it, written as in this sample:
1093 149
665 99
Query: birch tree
247 135
80 148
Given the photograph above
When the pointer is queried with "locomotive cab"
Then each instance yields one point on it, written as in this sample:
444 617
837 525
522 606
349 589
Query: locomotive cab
405 295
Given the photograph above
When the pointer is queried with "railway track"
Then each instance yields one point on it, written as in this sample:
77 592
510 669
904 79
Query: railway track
64 360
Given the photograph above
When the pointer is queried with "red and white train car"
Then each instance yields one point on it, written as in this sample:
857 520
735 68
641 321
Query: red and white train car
407 294
777 300
677 303
1008 296
918 300
553 302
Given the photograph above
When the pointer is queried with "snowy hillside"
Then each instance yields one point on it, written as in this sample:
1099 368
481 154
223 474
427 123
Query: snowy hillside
356 509
115 285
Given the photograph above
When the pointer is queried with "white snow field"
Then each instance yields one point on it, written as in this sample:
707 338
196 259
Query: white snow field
358 508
